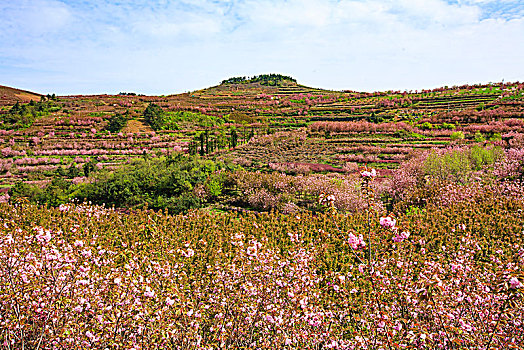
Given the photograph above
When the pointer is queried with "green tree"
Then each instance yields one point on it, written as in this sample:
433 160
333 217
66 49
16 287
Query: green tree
234 138
117 122
154 116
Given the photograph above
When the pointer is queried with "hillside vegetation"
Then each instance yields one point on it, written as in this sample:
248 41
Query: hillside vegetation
260 213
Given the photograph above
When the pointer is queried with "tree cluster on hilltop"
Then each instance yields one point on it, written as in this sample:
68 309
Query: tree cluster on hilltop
264 79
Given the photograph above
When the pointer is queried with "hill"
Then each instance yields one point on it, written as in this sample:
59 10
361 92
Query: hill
277 127
9 96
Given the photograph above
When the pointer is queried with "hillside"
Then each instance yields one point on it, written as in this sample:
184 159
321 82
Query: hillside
260 213
280 126
9 96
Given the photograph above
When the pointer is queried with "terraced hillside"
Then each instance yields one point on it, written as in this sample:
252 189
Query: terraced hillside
251 123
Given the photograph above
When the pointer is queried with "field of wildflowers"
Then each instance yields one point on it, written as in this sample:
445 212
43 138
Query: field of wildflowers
443 276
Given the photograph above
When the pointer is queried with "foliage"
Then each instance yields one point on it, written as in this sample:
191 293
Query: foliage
457 135
83 276
166 183
479 137
426 175
241 118
173 120
117 122
154 116
448 126
263 79
155 183
22 116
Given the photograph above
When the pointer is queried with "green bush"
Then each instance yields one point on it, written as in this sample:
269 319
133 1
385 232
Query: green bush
165 183
22 116
405 134
426 126
153 183
496 137
459 164
117 122
448 126
482 157
25 190
479 137
457 135
173 120
454 165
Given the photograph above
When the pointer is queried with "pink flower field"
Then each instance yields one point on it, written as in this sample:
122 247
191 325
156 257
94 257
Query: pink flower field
83 276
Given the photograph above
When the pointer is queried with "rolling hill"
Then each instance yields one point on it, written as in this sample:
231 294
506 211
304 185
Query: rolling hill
9 96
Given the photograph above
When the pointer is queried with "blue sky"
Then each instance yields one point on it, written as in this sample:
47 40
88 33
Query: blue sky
168 46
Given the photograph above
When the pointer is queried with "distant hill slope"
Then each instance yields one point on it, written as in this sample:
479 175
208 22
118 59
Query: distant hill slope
9 96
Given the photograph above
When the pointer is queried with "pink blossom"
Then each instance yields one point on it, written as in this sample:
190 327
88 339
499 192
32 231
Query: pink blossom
387 222
64 207
149 293
92 337
4 198
401 237
43 236
253 250
514 283
78 309
190 252
356 242
369 174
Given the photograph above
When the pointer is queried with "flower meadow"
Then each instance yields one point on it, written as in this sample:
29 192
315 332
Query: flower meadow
263 214
438 277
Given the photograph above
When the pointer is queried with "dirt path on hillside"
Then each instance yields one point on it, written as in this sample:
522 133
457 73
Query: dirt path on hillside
137 125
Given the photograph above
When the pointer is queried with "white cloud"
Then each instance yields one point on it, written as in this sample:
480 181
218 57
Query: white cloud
167 46
33 18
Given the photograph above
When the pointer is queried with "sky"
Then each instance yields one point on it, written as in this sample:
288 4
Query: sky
165 47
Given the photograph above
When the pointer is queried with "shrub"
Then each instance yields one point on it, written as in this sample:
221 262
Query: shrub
155 183
495 137
424 175
88 277
457 135
481 157
117 122
479 137
454 165
426 126
22 116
